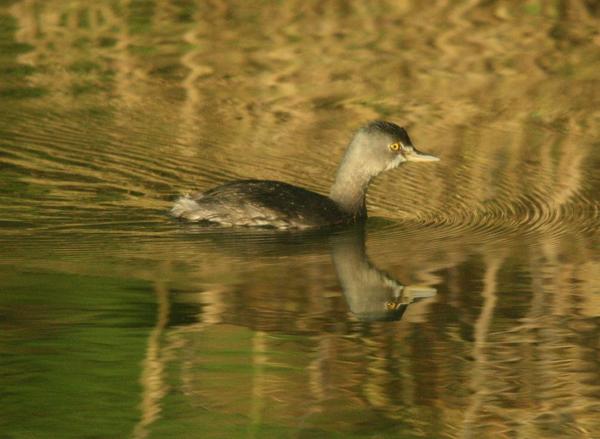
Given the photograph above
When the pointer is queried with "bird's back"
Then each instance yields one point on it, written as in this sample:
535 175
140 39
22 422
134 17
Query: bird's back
261 203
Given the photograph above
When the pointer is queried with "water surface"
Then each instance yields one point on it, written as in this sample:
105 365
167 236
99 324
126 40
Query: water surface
468 306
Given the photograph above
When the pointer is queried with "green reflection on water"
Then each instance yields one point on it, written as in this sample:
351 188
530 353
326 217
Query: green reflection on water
71 350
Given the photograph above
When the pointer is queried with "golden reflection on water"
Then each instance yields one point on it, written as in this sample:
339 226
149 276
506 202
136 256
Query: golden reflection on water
512 112
113 108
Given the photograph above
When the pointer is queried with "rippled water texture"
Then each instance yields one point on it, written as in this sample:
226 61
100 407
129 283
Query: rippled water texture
469 305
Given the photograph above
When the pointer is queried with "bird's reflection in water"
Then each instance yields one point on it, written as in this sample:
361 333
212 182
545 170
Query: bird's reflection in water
372 295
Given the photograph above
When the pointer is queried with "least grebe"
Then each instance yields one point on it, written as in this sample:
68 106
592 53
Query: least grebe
377 147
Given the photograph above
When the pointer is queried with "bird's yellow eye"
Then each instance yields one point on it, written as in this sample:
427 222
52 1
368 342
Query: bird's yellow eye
394 146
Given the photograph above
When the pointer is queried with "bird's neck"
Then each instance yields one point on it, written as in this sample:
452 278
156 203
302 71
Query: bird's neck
349 190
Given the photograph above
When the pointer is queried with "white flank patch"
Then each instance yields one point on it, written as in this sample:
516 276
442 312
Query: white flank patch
184 206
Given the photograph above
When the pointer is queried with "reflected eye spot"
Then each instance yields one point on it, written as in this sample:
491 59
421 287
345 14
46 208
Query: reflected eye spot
392 305
394 146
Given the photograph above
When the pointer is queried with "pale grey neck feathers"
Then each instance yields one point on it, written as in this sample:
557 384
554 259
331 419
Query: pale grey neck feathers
354 175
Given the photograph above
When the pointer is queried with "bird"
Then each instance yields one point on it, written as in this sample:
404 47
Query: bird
376 147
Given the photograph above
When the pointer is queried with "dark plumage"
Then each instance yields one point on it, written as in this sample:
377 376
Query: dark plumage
375 148
265 203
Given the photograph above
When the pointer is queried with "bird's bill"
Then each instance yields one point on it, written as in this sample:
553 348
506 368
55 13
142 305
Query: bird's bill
414 292
417 156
